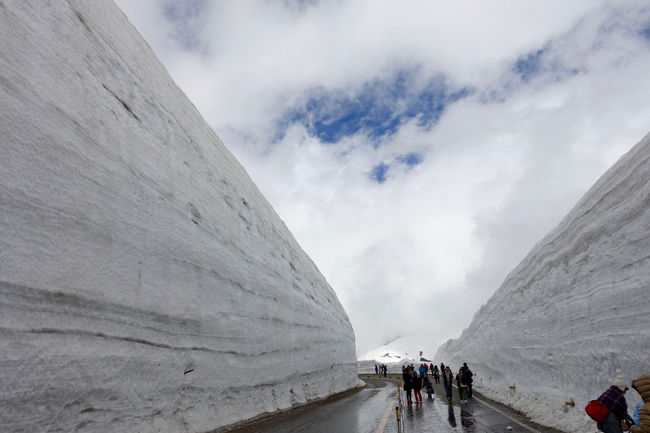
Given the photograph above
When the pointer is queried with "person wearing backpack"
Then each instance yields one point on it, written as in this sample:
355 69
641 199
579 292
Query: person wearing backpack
642 385
614 400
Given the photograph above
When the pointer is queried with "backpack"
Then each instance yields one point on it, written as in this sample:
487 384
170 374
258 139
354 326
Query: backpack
597 411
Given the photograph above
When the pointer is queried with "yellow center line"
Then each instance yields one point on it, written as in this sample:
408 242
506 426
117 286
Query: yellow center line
383 422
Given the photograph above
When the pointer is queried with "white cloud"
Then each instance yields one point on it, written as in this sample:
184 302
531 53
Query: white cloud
498 170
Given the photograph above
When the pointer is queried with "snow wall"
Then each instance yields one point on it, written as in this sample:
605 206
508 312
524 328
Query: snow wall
575 313
145 282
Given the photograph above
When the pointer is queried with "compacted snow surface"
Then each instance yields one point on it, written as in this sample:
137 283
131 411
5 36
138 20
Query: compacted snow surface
575 313
145 283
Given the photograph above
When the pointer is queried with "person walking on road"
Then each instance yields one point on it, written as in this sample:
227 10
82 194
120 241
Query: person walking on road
436 376
614 400
426 384
448 380
467 378
408 383
417 386
462 386
436 373
642 385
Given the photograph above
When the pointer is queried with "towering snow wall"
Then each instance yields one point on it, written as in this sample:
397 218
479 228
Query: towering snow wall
576 311
145 282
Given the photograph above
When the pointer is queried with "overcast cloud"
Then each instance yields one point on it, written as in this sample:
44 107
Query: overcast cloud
416 149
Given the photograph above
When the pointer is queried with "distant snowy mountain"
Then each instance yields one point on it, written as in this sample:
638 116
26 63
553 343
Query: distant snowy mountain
575 312
145 283
402 350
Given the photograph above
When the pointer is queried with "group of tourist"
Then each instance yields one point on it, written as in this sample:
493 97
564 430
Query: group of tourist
416 381
613 399
381 370
463 381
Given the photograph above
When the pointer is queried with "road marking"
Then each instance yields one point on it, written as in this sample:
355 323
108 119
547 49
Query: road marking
384 420
506 415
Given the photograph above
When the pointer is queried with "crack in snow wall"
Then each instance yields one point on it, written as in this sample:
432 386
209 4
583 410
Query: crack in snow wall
575 313
145 282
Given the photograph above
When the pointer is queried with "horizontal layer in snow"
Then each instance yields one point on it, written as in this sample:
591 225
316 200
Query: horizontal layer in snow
575 313
145 282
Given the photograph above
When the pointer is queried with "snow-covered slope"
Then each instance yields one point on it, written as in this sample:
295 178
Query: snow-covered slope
576 311
402 350
145 283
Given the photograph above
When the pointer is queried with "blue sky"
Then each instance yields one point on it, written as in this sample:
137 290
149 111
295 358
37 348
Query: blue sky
645 32
530 64
376 109
379 172
415 149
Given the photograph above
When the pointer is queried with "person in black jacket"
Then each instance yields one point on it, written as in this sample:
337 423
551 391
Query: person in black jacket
448 380
426 384
408 383
462 388
467 379
417 386
436 374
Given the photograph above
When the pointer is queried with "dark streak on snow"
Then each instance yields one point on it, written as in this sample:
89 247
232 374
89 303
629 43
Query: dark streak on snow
124 104
79 332
196 215
83 21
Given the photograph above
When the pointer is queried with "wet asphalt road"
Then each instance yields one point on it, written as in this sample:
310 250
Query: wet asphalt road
360 412
372 410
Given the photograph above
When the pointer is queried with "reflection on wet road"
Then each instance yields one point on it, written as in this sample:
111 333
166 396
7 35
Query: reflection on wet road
361 412
372 410
437 415
477 416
